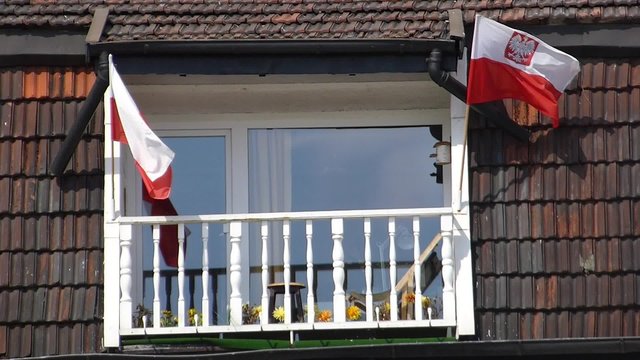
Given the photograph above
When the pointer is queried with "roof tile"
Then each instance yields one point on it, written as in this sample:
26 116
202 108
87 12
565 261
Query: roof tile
43 197
5 258
30 194
3 340
77 300
29 236
42 268
68 233
4 306
26 307
64 333
64 310
5 188
80 269
11 84
94 267
13 304
55 273
77 334
6 114
5 230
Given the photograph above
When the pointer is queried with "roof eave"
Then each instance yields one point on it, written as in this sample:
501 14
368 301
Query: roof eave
274 47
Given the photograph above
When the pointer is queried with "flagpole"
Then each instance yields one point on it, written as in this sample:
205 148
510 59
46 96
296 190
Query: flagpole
464 154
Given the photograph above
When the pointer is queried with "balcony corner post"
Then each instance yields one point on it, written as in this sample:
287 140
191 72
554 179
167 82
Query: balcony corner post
111 285
235 273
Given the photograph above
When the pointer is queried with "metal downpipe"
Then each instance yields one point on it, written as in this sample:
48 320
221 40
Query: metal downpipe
494 112
85 113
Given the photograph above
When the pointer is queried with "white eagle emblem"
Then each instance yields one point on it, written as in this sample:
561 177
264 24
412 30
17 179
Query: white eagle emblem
520 48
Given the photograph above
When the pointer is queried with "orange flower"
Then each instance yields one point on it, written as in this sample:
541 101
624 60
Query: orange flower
409 298
354 313
324 316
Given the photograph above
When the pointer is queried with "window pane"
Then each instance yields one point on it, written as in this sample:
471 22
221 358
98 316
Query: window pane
340 169
198 188
343 169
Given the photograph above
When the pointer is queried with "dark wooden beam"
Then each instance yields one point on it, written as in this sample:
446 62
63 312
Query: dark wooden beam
97 25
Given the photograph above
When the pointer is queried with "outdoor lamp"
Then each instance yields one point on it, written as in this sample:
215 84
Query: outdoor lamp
443 152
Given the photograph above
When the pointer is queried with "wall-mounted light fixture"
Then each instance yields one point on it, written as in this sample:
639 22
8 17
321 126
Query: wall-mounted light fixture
443 152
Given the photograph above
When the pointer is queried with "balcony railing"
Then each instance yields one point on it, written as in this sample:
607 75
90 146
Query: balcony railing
401 306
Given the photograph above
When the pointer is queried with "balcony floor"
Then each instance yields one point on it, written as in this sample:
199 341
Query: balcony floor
289 339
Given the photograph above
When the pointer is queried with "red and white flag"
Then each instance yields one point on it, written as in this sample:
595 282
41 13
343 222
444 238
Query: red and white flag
507 63
153 158
168 233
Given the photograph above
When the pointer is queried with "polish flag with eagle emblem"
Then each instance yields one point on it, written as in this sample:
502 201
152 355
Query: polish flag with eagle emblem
511 64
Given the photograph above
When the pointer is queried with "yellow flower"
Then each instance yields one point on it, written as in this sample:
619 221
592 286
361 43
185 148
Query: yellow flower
168 319
278 314
324 316
250 314
354 313
385 311
409 298
192 317
426 302
387 307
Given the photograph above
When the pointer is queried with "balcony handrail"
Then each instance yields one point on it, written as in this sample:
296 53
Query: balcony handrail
238 229
278 216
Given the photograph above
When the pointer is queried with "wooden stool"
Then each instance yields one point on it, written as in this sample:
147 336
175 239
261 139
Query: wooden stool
297 310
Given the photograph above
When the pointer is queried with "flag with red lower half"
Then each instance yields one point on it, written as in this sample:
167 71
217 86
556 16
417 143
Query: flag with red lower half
511 64
152 157
168 233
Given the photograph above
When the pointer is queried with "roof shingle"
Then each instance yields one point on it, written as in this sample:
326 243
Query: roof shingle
50 242
303 19
554 222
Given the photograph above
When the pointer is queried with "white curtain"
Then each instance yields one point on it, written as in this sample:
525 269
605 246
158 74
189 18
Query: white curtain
269 186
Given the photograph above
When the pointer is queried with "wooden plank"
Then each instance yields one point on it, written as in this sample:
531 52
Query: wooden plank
97 25
406 279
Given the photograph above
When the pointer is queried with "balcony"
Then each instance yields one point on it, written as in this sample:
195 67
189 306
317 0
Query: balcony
400 306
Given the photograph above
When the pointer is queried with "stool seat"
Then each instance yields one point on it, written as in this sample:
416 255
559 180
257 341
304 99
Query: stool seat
297 309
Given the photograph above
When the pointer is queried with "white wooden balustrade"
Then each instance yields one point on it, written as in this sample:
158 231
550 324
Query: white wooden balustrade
371 318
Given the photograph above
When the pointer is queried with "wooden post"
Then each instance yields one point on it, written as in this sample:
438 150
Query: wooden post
286 260
448 271
339 307
264 235
311 313
367 269
393 294
182 313
126 310
156 276
235 274
205 275
417 269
